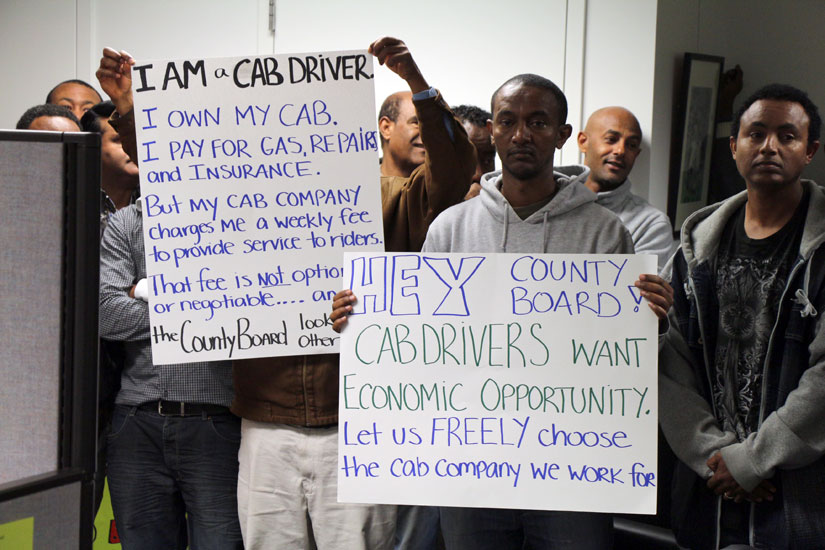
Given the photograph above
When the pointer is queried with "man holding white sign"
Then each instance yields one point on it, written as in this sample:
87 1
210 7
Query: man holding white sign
529 124
528 207
293 401
173 444
290 399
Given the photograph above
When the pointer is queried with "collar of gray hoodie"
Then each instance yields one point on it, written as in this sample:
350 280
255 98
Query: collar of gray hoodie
614 199
571 194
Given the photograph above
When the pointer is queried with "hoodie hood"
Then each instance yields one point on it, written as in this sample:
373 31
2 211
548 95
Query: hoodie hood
570 223
569 195
702 232
614 199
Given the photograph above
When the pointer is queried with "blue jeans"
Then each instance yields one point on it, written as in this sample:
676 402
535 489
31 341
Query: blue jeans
163 468
416 528
734 524
492 529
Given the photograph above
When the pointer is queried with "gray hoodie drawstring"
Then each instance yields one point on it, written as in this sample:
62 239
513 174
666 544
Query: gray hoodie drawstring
544 224
506 227
802 295
544 231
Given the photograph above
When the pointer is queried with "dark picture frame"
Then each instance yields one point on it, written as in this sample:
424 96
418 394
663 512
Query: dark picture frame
694 130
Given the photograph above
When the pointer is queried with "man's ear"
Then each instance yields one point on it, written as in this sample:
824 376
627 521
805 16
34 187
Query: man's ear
565 130
581 139
385 126
490 129
812 149
733 147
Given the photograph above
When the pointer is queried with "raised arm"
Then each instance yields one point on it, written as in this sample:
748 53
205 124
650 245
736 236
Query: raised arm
393 53
115 76
411 204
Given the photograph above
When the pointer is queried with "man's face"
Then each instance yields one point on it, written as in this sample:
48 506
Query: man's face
772 145
114 161
611 141
526 131
76 97
403 138
485 151
54 124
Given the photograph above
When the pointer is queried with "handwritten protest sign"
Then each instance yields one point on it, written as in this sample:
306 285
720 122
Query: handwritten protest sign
502 380
255 174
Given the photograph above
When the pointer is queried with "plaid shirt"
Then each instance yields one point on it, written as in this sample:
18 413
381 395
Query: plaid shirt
108 208
126 319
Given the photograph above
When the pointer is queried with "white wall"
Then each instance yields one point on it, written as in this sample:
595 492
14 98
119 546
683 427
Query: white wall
466 48
619 57
601 52
463 47
44 42
37 50
451 41
164 29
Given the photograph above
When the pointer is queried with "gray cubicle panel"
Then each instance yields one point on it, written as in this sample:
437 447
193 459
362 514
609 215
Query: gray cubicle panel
49 263
43 510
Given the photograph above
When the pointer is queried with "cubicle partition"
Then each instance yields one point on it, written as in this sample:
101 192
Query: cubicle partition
49 254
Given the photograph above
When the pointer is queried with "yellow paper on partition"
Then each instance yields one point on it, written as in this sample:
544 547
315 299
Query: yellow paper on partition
17 535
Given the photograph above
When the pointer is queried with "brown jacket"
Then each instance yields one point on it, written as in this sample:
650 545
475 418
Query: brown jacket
303 390
411 204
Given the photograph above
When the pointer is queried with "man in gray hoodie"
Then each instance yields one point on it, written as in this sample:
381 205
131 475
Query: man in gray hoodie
531 207
611 141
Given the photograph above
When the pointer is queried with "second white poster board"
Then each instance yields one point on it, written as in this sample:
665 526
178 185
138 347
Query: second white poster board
501 381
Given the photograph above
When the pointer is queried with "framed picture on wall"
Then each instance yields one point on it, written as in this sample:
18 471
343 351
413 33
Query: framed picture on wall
693 136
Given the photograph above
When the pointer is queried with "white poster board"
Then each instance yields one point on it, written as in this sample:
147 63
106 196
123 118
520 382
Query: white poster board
255 174
502 380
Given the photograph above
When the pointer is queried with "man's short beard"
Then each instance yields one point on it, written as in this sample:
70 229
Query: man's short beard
528 172
772 186
522 175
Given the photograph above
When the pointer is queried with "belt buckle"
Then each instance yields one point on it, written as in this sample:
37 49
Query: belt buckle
180 413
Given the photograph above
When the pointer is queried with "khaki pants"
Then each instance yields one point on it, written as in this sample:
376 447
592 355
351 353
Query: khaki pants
287 493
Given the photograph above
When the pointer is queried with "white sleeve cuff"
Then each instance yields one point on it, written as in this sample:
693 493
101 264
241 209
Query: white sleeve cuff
142 290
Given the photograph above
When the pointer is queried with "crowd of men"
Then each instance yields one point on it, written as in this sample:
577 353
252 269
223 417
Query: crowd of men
244 453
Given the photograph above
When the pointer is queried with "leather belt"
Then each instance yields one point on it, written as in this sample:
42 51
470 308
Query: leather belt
178 408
